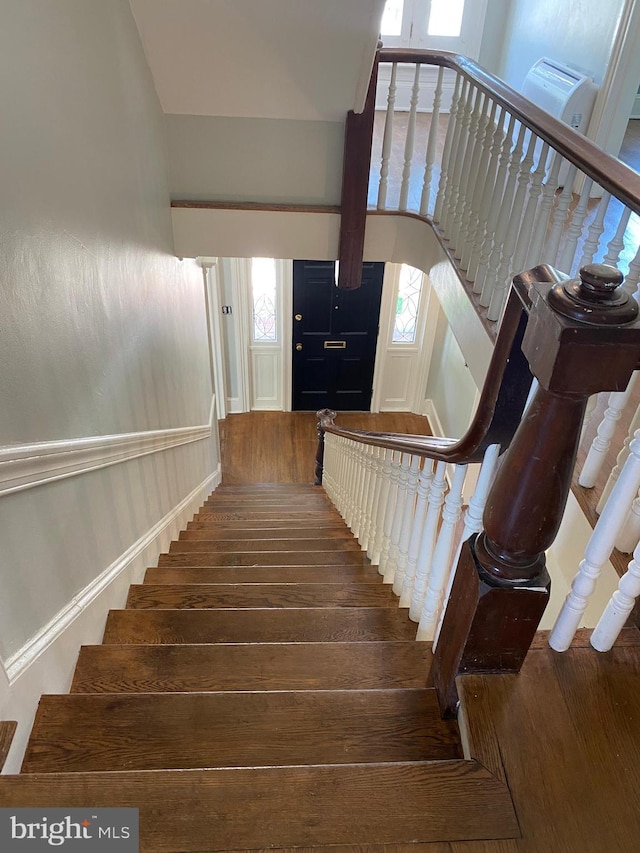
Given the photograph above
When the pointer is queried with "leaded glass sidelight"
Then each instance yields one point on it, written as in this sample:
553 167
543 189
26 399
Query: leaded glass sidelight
263 289
408 304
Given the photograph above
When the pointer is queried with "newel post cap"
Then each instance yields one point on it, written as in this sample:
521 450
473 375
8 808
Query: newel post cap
595 298
583 335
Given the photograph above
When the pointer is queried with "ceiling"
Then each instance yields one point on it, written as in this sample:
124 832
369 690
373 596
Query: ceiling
281 59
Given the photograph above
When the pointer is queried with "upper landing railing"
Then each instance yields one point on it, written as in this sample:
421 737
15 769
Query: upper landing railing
507 188
505 185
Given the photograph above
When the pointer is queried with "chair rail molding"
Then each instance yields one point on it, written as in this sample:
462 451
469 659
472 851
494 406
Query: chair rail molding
24 466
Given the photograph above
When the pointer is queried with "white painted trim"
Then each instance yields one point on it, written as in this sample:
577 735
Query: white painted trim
24 466
213 304
286 305
18 662
617 92
45 662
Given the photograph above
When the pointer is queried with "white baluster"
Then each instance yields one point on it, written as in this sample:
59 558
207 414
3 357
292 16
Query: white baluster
361 489
428 541
366 493
472 518
503 220
629 535
598 550
398 515
592 405
633 276
528 219
387 141
472 224
408 519
534 255
469 172
374 552
616 244
595 231
620 460
349 482
568 251
443 184
601 443
619 607
559 218
489 241
368 532
430 156
499 293
491 189
460 163
389 513
409 140
424 484
442 565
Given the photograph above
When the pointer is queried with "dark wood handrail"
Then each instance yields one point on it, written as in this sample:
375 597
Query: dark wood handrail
502 400
607 171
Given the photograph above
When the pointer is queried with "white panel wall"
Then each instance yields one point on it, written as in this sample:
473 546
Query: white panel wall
102 334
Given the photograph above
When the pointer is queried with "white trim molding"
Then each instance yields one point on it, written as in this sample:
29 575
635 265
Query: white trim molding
24 466
45 662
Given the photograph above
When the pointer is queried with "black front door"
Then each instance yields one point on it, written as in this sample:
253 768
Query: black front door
334 337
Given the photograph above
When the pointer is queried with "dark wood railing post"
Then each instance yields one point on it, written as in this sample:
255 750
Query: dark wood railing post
582 337
325 419
355 187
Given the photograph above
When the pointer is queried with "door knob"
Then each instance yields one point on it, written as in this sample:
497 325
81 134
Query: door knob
298 316
298 347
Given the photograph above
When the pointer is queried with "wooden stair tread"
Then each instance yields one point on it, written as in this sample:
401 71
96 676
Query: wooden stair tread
227 595
263 574
358 624
202 522
146 731
267 666
290 516
211 532
348 804
266 558
280 544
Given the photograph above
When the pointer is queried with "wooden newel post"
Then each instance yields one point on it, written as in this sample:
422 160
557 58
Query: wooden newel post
325 419
582 337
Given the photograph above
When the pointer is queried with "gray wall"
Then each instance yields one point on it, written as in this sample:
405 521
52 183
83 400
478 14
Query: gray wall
102 329
255 159
579 33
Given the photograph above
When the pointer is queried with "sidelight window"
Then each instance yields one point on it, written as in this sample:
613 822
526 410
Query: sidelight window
407 305
263 290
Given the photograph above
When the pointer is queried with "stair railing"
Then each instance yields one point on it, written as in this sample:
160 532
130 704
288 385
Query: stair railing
578 337
503 183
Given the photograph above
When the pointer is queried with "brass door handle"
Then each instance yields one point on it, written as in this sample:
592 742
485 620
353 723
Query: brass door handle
298 317
298 347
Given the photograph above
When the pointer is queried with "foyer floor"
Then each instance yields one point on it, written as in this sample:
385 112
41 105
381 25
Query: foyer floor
568 725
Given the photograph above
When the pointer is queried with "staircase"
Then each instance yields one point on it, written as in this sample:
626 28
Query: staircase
261 689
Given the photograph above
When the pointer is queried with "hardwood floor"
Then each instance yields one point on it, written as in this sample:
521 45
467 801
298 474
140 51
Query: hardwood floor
280 447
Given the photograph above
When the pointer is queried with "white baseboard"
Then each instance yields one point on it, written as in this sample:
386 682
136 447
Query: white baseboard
45 663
